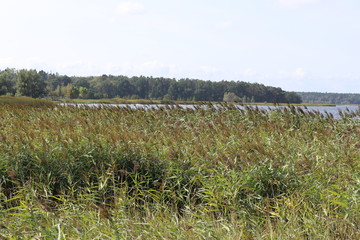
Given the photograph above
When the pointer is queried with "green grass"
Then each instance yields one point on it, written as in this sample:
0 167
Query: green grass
28 101
173 173
119 101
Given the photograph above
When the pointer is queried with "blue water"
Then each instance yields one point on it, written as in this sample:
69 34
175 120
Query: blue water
333 110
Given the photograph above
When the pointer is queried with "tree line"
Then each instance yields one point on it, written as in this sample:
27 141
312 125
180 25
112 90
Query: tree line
330 98
36 84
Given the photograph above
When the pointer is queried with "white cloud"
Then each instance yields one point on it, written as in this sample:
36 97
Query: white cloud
294 3
286 75
70 66
208 69
126 8
249 72
299 73
281 74
26 63
149 68
152 67
6 62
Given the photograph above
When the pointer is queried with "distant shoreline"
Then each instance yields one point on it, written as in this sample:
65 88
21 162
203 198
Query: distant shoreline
172 102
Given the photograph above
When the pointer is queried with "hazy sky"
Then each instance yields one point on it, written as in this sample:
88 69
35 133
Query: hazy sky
298 45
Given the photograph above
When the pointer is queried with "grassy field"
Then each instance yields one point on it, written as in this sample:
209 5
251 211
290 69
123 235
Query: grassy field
170 173
28 101
114 101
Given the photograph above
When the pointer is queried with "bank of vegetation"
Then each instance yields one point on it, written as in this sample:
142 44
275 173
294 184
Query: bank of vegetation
25 101
173 173
329 98
41 84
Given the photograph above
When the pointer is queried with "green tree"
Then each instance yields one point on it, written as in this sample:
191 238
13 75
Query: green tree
7 81
140 84
59 91
231 97
74 91
30 83
83 92
293 97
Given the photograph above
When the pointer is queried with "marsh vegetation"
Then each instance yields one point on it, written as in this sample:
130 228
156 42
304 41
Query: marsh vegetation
174 173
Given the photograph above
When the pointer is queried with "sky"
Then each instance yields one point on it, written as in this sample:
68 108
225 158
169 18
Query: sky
298 45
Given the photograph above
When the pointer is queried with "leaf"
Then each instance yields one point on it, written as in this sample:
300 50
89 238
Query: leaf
333 192
274 213
340 203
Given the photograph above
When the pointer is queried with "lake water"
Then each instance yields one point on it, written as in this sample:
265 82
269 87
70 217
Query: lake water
334 110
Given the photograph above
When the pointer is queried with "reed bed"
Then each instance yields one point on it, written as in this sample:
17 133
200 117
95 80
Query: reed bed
72 172
28 101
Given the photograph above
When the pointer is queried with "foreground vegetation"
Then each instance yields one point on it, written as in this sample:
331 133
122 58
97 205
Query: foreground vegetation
171 173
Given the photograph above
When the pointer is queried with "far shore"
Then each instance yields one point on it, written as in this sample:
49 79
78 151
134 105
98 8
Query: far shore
173 102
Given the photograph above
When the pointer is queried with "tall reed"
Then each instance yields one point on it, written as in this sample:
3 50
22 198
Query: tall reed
210 172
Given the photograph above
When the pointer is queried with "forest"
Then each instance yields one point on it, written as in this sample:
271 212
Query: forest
329 98
37 84
33 83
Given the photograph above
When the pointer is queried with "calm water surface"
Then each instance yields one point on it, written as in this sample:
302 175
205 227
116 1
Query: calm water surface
334 110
